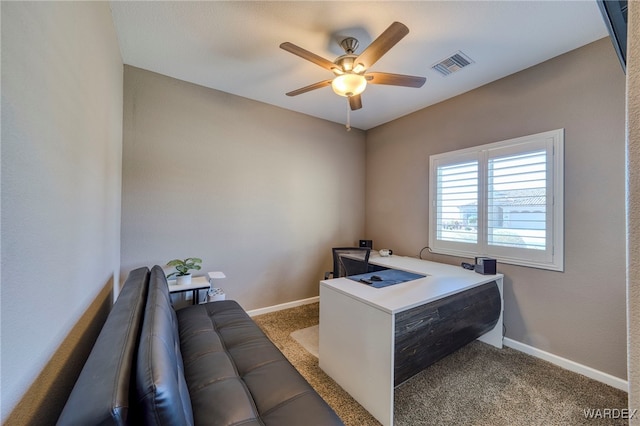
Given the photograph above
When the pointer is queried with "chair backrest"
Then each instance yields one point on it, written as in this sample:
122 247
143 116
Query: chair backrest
350 261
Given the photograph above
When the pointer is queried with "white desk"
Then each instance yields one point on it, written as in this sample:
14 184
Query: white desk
357 325
197 284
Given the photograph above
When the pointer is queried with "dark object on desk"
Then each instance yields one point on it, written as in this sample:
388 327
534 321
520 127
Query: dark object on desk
349 261
468 266
366 243
386 277
485 265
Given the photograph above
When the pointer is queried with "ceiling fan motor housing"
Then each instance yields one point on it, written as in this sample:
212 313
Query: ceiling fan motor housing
346 64
349 45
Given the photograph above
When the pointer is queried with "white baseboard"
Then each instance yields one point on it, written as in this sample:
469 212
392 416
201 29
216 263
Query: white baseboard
282 306
592 373
567 364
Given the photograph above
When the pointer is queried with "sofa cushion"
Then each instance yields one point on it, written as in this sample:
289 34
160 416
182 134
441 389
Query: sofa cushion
101 393
160 382
236 375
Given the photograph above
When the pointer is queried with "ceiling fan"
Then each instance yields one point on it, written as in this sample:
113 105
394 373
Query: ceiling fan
350 70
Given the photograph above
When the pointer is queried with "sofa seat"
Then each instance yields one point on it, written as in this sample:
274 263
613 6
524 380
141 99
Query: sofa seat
237 376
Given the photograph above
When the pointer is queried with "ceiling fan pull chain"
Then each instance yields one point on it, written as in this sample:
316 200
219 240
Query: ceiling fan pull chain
348 125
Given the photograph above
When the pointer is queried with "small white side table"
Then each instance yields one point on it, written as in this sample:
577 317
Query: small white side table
197 284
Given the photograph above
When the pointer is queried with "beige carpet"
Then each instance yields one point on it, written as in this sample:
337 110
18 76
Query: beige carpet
478 385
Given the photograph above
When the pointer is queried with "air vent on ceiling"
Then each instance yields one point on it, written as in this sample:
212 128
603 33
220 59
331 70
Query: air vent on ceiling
455 62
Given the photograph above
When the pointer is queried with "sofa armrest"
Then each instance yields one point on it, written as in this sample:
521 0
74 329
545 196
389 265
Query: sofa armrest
101 393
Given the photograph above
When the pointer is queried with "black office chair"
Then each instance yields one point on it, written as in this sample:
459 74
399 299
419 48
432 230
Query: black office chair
349 261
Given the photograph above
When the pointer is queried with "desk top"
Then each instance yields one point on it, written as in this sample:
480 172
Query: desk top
442 280
196 284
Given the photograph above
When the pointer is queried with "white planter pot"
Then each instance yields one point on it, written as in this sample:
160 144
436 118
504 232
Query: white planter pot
183 279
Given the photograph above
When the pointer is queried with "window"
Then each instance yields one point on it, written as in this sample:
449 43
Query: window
503 200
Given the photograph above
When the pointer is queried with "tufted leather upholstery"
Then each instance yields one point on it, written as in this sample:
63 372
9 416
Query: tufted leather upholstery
101 393
237 376
162 390
202 365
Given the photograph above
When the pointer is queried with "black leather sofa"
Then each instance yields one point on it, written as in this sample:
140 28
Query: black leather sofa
206 364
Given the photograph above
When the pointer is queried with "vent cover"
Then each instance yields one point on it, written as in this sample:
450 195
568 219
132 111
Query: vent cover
455 62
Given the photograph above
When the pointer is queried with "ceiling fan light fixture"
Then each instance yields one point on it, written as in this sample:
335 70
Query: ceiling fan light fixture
359 68
349 84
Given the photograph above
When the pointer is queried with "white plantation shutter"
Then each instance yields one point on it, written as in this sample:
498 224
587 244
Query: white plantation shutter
457 205
516 199
502 200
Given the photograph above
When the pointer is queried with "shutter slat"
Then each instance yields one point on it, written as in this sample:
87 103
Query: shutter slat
517 201
457 203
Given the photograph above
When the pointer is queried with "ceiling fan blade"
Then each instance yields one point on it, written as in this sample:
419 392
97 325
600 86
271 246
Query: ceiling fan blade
310 87
382 44
305 54
394 79
355 102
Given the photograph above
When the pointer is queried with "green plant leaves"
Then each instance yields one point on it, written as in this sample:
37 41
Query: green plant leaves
183 266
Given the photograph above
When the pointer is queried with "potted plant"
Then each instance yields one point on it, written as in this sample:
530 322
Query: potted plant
183 276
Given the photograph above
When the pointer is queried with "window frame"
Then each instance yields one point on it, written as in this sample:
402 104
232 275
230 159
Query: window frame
552 258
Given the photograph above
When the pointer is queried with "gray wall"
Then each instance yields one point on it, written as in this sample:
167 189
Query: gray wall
61 184
633 206
61 179
258 192
578 314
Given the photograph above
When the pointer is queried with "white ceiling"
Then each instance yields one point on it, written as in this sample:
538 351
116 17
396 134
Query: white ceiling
233 46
